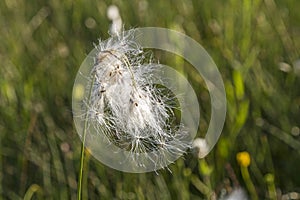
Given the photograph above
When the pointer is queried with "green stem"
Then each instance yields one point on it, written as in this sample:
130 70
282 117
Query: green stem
34 188
82 146
248 182
271 186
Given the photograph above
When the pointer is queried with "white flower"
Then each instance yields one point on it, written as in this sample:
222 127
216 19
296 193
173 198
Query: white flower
201 147
128 108
237 194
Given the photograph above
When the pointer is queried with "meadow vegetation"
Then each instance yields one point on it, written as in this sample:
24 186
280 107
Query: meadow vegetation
256 46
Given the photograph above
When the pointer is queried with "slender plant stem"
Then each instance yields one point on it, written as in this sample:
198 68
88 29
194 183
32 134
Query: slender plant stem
79 189
249 184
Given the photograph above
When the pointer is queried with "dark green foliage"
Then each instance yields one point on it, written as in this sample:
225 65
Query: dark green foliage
255 44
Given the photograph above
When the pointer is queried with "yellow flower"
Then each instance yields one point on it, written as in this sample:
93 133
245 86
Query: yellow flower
243 158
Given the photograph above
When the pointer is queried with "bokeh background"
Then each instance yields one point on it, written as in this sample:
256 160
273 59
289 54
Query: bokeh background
256 46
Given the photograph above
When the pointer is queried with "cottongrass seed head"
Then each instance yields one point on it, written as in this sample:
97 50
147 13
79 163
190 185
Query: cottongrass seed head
125 105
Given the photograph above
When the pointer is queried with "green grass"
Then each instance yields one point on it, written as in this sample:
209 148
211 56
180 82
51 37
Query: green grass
42 45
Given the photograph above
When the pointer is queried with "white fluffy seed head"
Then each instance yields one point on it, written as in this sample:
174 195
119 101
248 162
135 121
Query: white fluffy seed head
127 107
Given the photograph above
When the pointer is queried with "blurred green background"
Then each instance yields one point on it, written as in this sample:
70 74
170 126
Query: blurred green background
255 44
